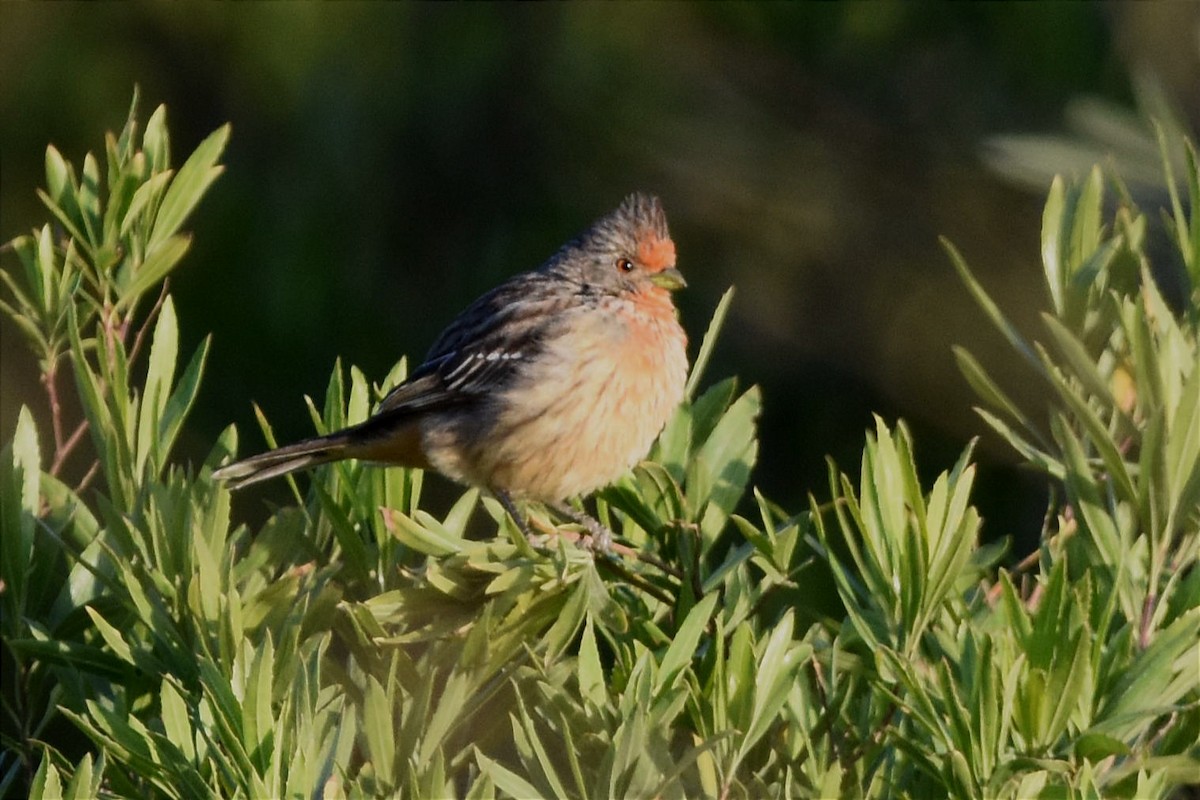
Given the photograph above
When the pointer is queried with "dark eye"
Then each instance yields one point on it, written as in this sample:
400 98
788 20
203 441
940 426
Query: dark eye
625 265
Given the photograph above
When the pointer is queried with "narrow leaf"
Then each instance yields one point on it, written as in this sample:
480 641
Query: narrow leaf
190 184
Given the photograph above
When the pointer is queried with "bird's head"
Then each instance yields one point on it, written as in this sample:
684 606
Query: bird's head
627 250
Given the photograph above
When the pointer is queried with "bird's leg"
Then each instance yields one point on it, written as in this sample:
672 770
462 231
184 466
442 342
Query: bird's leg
600 537
511 507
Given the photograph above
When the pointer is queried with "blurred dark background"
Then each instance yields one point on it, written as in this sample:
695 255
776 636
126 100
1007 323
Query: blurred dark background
390 162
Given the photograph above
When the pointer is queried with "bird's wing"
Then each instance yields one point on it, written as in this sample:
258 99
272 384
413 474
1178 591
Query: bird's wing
482 349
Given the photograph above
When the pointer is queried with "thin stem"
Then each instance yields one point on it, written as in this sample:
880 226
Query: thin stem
613 566
87 479
50 381
1148 608
145 327
63 446
618 568
61 453
649 558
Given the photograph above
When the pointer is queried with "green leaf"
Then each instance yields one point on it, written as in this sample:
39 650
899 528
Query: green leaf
1039 458
95 408
483 788
1068 682
1089 496
21 510
1187 234
455 524
145 199
176 722
258 723
161 258
47 269
1182 452
505 779
190 184
419 537
1097 747
1086 223
179 405
1053 228
159 374
1082 365
122 188
772 681
674 444
89 199
112 637
96 660
60 178
27 249
47 784
683 647
1096 430
707 410
527 731
721 467
156 141
1141 689
85 783
987 389
989 306
589 669
378 731
68 218
708 342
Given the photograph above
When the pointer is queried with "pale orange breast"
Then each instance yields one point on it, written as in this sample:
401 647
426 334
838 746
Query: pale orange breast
587 410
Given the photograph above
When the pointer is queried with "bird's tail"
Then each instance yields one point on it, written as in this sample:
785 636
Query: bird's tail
393 437
282 460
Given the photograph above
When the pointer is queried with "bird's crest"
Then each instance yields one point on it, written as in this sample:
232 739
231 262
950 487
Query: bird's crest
644 213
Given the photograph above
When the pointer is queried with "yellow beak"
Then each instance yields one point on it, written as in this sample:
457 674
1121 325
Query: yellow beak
669 279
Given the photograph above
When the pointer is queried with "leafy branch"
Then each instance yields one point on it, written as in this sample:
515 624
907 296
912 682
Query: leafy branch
357 645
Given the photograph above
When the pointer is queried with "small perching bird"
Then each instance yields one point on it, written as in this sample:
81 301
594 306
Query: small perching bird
548 387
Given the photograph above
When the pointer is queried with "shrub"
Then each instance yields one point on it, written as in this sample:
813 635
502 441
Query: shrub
356 645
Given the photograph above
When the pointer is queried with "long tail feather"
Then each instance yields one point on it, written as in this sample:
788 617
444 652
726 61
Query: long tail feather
281 461
389 438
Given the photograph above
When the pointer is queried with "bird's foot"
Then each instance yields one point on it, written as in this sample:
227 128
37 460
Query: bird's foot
599 539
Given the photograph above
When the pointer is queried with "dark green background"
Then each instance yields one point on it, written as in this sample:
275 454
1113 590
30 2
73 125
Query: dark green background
390 162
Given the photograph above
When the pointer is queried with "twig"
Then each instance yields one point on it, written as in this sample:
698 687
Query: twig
61 453
63 447
87 479
618 568
154 310
50 381
598 531
1026 563
649 558
1148 606
613 566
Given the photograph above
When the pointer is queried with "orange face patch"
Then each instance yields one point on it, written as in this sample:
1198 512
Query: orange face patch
656 254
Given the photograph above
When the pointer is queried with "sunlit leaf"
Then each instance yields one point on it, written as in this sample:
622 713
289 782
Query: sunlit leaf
190 184
160 372
161 258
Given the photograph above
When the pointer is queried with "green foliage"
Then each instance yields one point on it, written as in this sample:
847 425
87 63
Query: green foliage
356 645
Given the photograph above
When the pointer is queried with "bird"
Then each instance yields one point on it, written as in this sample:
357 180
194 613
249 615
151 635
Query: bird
546 388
